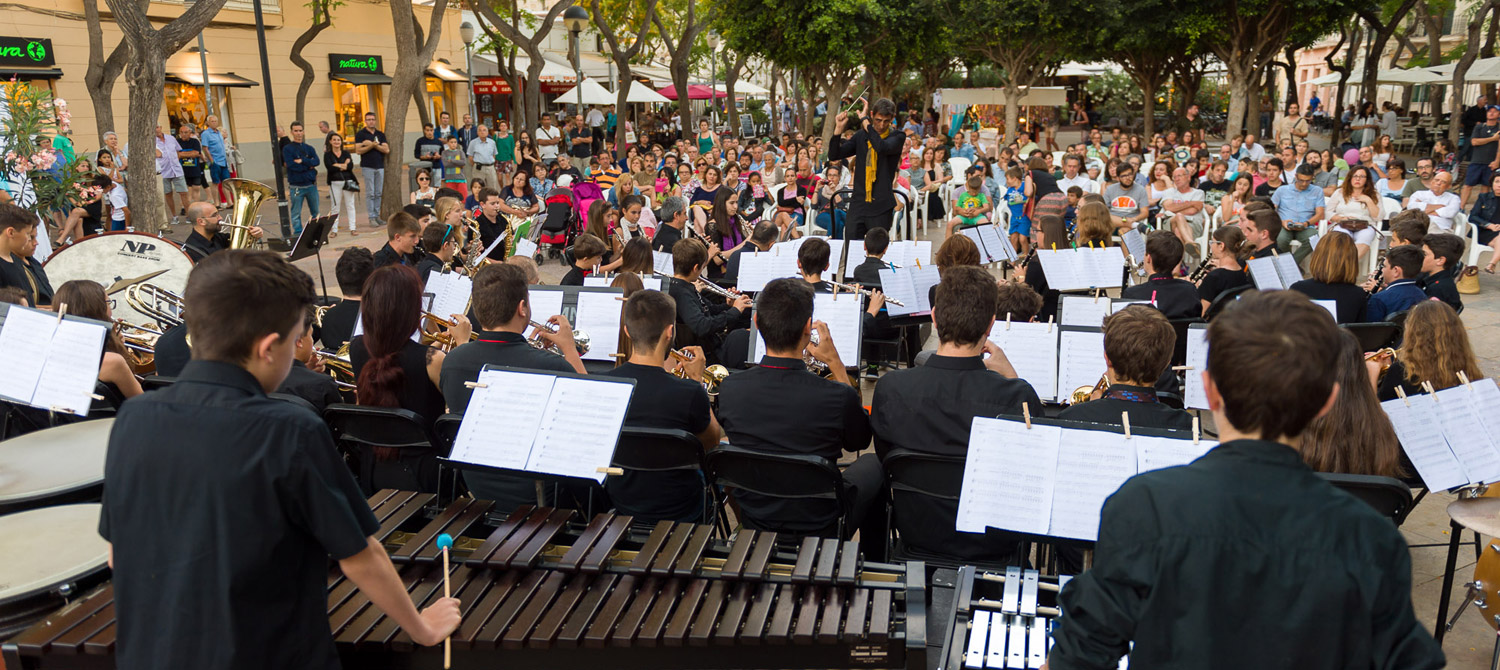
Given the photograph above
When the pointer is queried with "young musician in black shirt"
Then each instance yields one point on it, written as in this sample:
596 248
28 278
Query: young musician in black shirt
351 272
929 409
492 223
1319 579
762 237
661 400
718 328
1176 298
440 241
208 237
781 407
18 231
1225 248
1261 225
314 386
588 253
500 302
403 234
867 274
224 506
1138 343
1442 256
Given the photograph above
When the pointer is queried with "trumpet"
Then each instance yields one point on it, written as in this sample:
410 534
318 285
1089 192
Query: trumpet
580 339
809 360
156 302
1385 356
438 335
1084 394
713 375
339 366
864 292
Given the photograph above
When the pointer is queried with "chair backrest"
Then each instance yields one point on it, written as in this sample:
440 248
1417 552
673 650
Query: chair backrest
776 475
389 427
930 475
297 400
657 450
155 382
445 429
1373 336
1223 300
958 164
1390 497
1179 349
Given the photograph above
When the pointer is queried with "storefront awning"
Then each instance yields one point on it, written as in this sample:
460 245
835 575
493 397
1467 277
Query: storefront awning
446 73
359 79
195 78
24 73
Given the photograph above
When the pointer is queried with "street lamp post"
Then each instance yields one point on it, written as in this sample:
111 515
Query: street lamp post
575 18
713 86
466 31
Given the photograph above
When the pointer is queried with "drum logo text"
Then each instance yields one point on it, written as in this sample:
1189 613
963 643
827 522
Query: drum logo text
138 249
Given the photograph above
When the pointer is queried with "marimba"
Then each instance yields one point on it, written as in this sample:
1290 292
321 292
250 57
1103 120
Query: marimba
539 589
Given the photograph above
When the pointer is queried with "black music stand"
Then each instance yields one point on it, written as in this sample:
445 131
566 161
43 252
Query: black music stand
314 236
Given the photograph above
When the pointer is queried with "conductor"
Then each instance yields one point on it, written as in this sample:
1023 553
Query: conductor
877 155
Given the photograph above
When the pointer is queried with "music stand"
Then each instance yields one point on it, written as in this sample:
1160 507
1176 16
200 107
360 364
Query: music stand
314 236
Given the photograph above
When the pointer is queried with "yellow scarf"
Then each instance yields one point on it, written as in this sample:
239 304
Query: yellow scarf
870 167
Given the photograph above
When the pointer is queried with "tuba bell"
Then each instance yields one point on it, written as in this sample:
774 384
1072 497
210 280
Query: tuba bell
247 196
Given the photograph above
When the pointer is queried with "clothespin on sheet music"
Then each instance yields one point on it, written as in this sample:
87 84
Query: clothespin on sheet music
918 261
1195 430
1273 251
1465 379
610 471
1026 413
1401 393
1007 320
1096 294
476 385
1427 386
1049 324
62 310
1181 368
835 292
1125 418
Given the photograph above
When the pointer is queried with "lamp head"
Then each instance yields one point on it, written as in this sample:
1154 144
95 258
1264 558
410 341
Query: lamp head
575 18
466 32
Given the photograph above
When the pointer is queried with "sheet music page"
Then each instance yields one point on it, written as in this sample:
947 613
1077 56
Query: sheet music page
1486 401
844 315
661 261
985 257
898 284
1080 360
500 423
599 316
1010 473
998 246
579 427
525 248
1083 310
920 250
1155 453
1194 397
1091 466
1331 306
1117 304
856 258
1031 349
1135 243
451 294
1470 441
71 368
597 281
651 283
1263 273
1062 269
1312 242
26 332
922 279
897 253
545 304
1421 437
1286 268
496 243
759 269
1106 266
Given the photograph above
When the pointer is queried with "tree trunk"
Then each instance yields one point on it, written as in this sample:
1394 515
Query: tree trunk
1461 70
145 75
1149 85
1012 113
102 72
684 103
1253 104
1380 34
1242 79
1291 76
1486 89
808 103
731 76
406 85
295 56
1434 23
528 43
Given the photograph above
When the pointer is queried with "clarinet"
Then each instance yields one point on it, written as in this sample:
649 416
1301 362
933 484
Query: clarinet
1376 276
1201 271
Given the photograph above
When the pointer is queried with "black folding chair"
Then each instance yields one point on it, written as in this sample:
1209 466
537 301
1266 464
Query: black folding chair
912 476
1179 350
788 476
656 450
1389 496
154 382
1224 299
1374 336
389 447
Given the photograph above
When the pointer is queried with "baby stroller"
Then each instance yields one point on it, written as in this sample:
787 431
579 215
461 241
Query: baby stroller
557 225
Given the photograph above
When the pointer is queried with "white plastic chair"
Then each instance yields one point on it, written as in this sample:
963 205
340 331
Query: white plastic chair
1475 250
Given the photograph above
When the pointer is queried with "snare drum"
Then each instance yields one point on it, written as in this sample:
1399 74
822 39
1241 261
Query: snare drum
53 467
110 257
48 556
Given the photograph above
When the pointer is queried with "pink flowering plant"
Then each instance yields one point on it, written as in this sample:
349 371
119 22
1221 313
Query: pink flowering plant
32 118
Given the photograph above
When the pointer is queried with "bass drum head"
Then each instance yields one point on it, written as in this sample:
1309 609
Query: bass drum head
48 556
109 257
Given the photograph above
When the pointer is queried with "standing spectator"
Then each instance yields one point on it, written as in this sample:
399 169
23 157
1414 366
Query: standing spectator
190 156
1472 116
596 130
453 167
468 133
1482 154
505 150
371 146
170 168
548 137
483 151
1366 125
218 157
1388 119
1440 204
445 127
581 141
301 175
340 166
1290 128
429 149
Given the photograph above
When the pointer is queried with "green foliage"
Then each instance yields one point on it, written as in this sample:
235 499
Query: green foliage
33 115
323 8
757 110
795 33
1114 94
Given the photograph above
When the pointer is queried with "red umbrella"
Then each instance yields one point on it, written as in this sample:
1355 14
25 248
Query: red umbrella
695 92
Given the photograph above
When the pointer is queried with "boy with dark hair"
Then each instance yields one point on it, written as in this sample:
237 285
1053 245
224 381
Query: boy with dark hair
1328 589
812 261
18 231
440 242
588 253
929 409
762 237
1138 343
1400 270
311 385
1261 226
1176 298
1442 255
1017 301
717 327
1409 226
402 236
354 267
246 311
867 274
664 401
421 213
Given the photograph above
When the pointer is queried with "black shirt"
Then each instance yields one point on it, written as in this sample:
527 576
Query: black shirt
929 409
425 147
488 231
781 408
223 509
1036 278
1440 285
429 264
1395 376
1214 192
1263 252
199 247
867 274
1483 154
1176 298
1139 402
172 352
23 272
1349 299
1319 579
574 277
338 323
417 392
316 388
330 162
581 138
666 236
1266 189
661 400
1219 280
192 168
372 159
388 256
887 152
706 322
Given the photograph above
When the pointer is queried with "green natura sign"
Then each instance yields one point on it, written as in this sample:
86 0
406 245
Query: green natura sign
355 64
26 52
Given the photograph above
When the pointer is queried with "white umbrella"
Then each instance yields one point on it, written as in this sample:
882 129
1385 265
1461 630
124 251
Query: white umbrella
745 89
1331 79
593 94
642 93
1411 76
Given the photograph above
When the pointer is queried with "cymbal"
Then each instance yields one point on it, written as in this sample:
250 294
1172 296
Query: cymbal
126 283
1481 515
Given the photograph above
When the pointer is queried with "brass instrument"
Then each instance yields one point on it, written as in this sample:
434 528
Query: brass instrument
140 345
318 313
164 306
247 196
864 292
1201 271
1084 394
513 231
1386 356
713 375
438 335
339 367
811 362
580 339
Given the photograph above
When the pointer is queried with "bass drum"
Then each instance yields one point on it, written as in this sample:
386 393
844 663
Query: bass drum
110 257
49 556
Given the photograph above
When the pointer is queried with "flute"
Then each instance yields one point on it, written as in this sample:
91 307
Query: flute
865 292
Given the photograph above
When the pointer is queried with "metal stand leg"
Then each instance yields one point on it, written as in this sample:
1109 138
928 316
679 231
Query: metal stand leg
1447 594
1495 657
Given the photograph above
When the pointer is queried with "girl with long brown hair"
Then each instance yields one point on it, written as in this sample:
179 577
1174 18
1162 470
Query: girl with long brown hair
392 369
1227 260
1434 349
86 298
1355 437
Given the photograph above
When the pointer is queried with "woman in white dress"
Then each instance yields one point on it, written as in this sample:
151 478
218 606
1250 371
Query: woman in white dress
1354 209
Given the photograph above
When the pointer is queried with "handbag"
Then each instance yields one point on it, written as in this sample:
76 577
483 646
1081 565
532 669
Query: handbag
350 184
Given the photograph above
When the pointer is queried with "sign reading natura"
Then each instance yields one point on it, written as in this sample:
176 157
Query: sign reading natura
355 64
26 52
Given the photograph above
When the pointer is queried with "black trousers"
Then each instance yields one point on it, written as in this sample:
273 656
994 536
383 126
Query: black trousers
863 217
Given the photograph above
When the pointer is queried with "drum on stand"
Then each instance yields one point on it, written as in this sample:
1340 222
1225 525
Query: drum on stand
49 556
110 257
55 466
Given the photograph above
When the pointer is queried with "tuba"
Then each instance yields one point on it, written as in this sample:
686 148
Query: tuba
247 196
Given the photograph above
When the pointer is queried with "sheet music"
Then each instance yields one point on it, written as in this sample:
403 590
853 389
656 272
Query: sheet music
1117 304
1331 306
496 243
1060 269
599 316
1010 474
651 283
1091 465
1263 273
896 254
920 252
1031 349
985 255
1135 243
759 269
1155 453
1080 360
525 248
450 293
1197 361
855 258
910 286
1486 401
661 261
1421 437
1312 242
1286 268
998 245
67 379
1470 441
1083 310
26 332
545 304
500 423
1104 266
580 426
845 319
